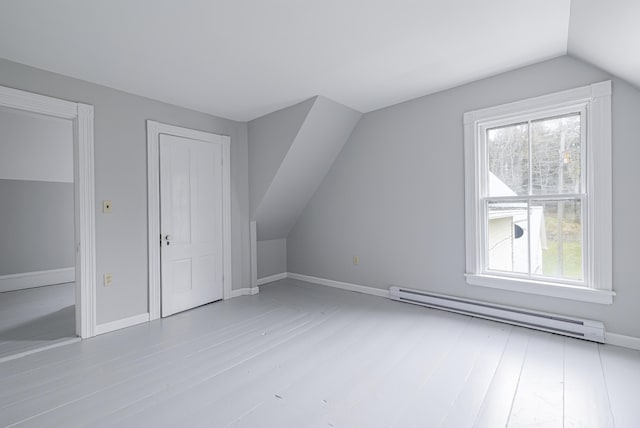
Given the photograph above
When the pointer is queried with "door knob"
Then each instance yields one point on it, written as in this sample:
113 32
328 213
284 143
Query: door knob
168 239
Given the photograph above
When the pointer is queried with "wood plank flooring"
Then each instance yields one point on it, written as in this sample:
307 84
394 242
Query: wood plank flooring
303 355
35 318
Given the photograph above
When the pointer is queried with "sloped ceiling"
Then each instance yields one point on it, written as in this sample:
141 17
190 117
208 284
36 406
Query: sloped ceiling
317 143
241 59
607 34
270 138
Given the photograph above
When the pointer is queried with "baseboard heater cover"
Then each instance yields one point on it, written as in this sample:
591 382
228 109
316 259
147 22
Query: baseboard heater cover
568 326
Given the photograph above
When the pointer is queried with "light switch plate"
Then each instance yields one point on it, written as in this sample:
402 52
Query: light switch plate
107 207
108 279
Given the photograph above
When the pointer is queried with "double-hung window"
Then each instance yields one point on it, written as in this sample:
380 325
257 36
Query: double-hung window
538 195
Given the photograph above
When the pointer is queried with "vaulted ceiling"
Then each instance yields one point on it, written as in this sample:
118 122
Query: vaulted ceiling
241 59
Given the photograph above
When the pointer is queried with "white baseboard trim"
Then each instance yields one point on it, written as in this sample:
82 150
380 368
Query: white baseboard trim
123 323
247 291
22 281
268 279
622 340
610 338
342 285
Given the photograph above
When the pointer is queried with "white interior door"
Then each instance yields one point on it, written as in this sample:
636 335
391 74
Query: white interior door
190 223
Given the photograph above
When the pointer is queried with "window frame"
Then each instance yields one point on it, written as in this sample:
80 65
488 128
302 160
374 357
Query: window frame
594 103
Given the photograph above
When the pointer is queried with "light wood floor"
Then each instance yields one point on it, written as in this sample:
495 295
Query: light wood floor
302 355
36 318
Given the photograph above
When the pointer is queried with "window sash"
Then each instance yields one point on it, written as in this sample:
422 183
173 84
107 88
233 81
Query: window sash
580 108
549 113
484 232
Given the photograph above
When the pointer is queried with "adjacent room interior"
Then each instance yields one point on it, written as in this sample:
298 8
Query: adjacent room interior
37 296
355 213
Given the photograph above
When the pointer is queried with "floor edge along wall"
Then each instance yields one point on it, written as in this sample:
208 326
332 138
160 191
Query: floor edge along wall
592 330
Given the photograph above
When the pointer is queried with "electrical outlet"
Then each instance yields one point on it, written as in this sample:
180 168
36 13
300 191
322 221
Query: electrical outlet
108 279
356 260
107 207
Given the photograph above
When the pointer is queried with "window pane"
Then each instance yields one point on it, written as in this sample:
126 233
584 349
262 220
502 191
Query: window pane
508 154
556 239
555 153
508 237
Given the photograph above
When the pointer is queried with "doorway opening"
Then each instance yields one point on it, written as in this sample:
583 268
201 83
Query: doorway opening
46 233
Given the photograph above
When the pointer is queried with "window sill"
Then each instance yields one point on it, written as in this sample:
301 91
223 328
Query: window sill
543 288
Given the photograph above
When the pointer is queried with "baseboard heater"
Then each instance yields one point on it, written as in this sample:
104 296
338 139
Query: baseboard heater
568 326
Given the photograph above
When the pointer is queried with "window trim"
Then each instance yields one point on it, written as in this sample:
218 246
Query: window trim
596 99
482 127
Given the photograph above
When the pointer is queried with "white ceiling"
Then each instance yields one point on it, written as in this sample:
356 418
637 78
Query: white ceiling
241 59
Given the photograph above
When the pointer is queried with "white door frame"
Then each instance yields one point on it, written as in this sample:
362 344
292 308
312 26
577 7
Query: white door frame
84 195
154 129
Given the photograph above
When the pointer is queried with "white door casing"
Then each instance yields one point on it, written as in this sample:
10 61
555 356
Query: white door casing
155 132
84 208
190 223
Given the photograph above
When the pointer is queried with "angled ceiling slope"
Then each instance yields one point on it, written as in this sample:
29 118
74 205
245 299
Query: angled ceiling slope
243 59
607 35
270 138
285 174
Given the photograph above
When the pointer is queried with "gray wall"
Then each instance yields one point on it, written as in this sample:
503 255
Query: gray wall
36 192
271 257
121 176
395 196
36 231
35 147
